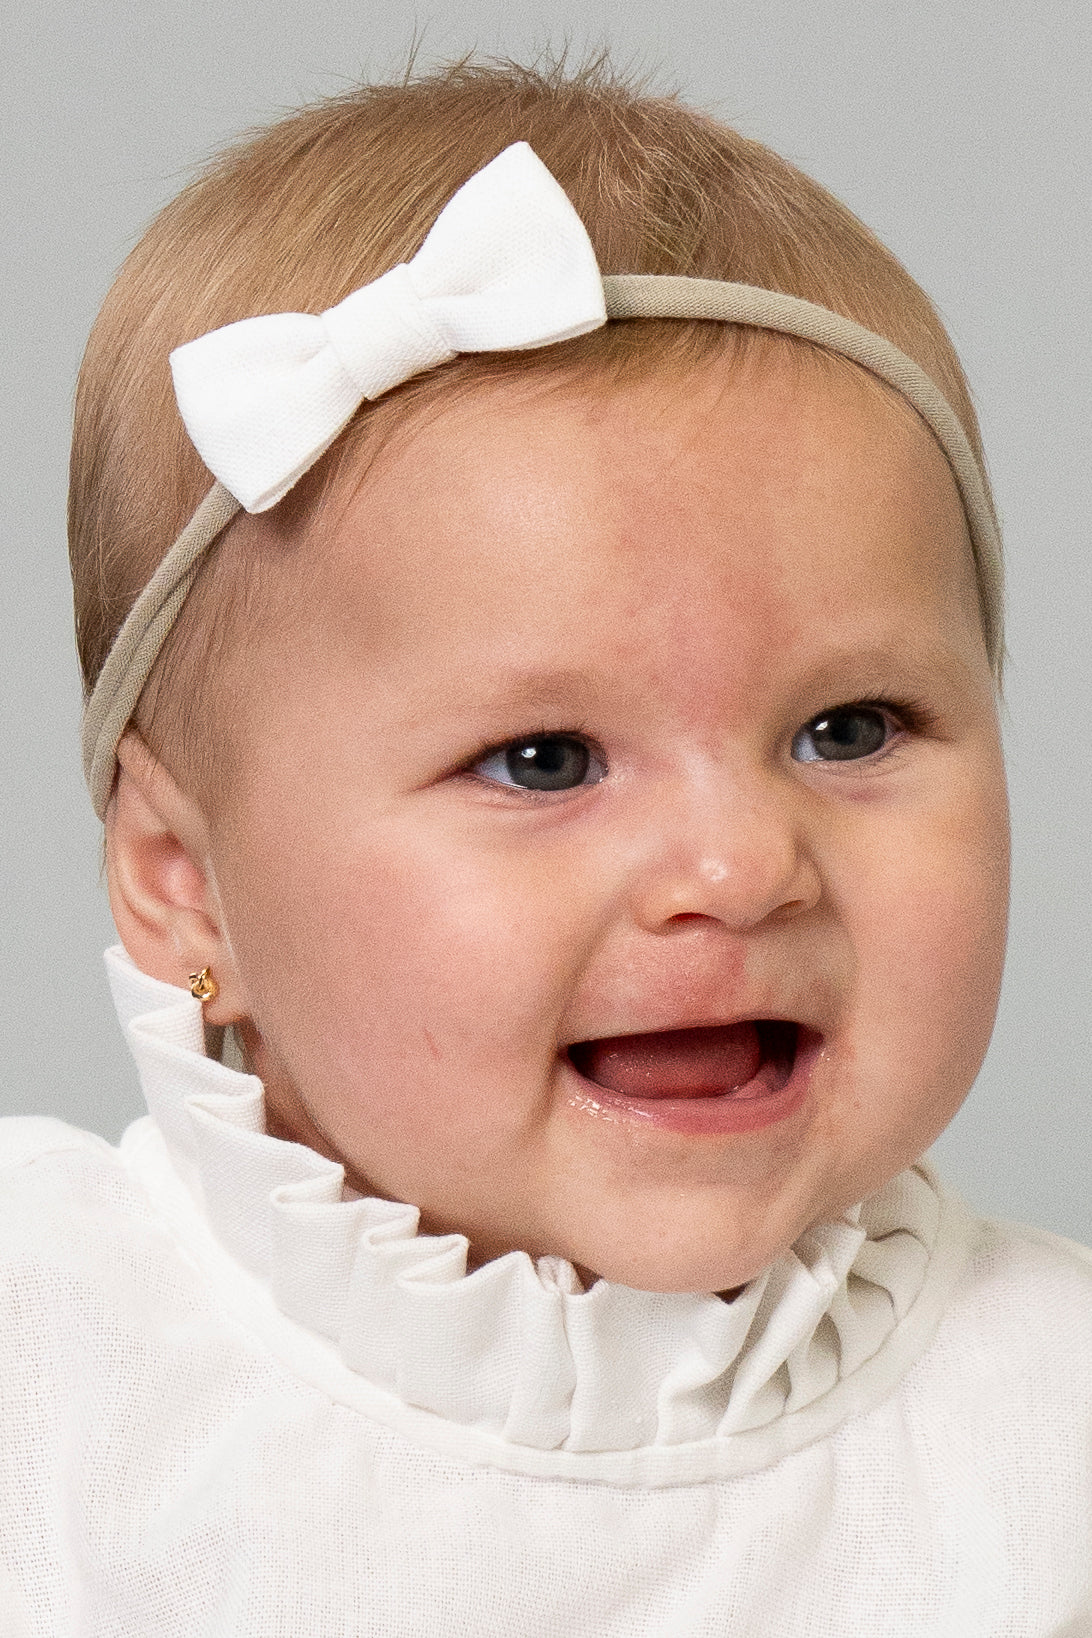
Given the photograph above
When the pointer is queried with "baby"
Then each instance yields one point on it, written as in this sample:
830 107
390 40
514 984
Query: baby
556 826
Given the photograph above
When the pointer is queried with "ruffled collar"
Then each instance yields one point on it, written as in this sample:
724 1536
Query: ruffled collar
661 1387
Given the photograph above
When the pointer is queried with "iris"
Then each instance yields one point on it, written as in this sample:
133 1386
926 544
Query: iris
842 735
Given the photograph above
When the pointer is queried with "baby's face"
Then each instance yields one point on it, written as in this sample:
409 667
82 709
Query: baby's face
604 715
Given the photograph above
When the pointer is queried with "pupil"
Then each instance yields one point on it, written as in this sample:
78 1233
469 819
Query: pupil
556 764
846 734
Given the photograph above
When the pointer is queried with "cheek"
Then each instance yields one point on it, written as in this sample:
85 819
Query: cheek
930 937
404 949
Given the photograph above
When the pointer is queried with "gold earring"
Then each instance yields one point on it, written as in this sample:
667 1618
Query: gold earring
203 987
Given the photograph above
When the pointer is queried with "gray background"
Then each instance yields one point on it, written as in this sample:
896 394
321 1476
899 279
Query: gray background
959 130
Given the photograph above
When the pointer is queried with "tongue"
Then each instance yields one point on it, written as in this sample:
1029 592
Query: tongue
675 1063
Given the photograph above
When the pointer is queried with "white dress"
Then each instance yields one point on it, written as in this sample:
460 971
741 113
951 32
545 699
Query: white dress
238 1399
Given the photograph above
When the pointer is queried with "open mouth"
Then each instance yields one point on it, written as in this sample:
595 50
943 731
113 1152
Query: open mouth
715 1078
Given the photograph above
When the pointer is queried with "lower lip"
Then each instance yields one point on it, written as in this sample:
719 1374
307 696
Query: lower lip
752 1107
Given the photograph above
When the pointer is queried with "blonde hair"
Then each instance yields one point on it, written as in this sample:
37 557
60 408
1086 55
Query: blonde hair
297 216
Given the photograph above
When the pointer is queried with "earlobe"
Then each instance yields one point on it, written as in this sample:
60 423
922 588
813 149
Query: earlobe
162 891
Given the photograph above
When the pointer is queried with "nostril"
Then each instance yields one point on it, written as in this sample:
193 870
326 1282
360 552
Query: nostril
792 907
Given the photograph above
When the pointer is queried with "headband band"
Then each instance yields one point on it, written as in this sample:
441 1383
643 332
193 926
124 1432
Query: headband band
332 363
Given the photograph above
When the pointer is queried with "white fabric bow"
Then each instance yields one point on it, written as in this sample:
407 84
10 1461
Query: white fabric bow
507 264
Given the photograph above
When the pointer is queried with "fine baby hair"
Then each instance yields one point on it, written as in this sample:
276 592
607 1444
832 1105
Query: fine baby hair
539 603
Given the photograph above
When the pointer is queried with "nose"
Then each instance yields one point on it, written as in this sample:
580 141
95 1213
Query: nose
732 851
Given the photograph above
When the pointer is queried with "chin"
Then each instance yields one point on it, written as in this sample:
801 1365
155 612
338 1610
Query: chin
719 1275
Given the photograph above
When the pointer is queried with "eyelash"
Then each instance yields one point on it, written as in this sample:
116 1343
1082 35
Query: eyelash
903 717
911 716
546 731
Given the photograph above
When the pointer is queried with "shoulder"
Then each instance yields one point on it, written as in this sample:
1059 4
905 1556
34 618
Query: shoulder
90 1273
35 1150
25 1139
1015 1267
65 1196
44 1160
1019 1315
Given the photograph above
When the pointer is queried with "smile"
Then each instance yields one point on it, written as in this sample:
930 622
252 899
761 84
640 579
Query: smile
720 1078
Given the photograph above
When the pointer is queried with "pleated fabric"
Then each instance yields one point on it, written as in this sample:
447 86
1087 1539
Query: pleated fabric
237 1398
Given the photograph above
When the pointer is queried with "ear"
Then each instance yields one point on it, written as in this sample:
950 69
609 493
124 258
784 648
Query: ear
162 888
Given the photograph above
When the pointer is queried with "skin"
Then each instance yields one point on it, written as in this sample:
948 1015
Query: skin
685 573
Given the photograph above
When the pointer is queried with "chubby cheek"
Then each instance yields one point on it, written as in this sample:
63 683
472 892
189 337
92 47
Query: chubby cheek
928 920
409 988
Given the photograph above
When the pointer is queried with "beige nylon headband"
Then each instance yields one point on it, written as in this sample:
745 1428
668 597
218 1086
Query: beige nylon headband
628 296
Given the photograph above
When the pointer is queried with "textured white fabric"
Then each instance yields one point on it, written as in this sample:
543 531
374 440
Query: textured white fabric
237 1399
520 1353
507 264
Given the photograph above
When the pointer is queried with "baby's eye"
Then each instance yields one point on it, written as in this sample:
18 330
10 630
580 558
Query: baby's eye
545 762
845 734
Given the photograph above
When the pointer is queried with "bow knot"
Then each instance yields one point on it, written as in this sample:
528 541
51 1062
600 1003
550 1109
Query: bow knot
390 308
506 265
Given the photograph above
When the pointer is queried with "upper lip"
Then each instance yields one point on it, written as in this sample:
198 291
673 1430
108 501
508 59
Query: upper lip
807 1016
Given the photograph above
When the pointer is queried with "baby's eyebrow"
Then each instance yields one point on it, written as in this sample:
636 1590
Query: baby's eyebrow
876 667
514 692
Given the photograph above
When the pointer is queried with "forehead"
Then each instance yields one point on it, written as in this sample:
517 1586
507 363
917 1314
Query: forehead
742 511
